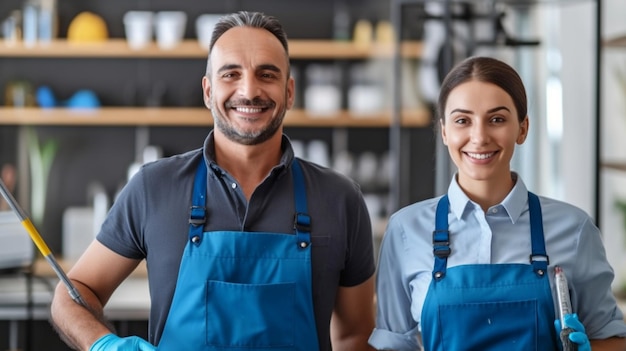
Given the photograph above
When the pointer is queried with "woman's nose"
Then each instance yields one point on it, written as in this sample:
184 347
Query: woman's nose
479 134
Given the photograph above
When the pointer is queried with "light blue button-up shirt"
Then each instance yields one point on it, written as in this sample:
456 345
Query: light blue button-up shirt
499 235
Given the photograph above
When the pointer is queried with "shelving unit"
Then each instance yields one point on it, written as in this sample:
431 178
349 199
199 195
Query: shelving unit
611 166
190 49
615 43
117 48
177 116
146 121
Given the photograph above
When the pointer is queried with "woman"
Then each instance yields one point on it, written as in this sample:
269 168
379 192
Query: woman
474 270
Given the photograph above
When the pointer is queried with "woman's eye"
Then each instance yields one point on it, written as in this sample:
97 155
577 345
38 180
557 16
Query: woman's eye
460 121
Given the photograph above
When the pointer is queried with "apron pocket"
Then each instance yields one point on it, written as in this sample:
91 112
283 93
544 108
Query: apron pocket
493 326
250 315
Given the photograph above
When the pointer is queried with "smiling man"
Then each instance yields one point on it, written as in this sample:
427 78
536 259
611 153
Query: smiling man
247 247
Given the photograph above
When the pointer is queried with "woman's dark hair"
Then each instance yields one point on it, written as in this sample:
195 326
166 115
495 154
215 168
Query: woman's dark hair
249 19
488 70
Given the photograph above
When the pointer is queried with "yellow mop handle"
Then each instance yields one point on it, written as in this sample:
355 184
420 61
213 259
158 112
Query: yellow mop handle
40 243
37 239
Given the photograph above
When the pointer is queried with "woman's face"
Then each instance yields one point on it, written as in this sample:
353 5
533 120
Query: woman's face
481 129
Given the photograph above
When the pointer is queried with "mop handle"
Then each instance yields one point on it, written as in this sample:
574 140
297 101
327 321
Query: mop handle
41 244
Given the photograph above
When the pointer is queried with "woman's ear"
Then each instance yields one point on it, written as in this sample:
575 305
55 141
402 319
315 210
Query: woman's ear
523 131
442 127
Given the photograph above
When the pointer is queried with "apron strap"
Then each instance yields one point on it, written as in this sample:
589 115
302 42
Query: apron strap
441 238
302 221
197 212
538 258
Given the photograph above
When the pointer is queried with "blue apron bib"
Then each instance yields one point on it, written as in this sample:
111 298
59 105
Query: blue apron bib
241 291
489 306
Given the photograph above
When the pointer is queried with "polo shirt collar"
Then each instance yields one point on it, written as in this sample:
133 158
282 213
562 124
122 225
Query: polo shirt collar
209 152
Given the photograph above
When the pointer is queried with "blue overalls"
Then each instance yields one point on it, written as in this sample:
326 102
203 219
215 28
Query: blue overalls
241 291
483 307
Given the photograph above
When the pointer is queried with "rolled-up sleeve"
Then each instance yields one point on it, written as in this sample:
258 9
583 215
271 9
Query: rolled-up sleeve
396 328
592 296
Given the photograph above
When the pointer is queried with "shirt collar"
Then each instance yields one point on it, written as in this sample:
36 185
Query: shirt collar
285 159
514 203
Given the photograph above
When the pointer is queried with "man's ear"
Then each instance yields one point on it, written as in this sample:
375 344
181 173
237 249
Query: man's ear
291 91
206 91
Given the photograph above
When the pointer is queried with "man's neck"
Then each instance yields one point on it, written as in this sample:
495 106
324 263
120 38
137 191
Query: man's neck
248 164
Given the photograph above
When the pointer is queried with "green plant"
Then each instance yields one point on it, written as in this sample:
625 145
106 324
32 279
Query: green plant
41 157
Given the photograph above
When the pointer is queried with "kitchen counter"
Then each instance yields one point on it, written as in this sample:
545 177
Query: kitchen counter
130 302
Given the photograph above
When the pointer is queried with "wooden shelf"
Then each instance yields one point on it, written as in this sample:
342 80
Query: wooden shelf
616 42
196 116
118 48
620 166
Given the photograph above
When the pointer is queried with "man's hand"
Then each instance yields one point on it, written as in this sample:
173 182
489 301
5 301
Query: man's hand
111 342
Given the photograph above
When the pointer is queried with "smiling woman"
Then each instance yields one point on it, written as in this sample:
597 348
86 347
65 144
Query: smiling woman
439 257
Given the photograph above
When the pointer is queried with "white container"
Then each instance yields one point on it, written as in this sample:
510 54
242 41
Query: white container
322 95
30 18
365 100
205 24
138 28
322 100
170 28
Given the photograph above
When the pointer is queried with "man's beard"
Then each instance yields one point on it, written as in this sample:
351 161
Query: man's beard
247 138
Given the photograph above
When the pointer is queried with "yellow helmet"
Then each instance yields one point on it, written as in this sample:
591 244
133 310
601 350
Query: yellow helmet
87 27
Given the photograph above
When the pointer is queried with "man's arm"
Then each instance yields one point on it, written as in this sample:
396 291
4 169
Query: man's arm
610 344
353 317
95 275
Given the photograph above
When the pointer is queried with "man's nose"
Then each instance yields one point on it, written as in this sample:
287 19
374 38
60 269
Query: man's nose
249 87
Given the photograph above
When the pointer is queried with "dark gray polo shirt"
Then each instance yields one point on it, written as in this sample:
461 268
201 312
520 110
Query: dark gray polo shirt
150 217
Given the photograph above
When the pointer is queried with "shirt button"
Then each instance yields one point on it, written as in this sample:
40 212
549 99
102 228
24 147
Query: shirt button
234 186
494 210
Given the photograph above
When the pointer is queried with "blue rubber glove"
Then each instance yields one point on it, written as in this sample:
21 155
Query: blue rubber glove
112 342
578 336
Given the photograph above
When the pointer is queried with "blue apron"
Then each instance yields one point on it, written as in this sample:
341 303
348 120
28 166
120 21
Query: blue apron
489 306
243 290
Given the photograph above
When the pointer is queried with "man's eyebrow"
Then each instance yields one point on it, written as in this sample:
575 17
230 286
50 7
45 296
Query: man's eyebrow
269 67
228 67
263 67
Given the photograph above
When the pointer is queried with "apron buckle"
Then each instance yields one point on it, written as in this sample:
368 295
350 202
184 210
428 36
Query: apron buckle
302 222
442 251
441 243
197 216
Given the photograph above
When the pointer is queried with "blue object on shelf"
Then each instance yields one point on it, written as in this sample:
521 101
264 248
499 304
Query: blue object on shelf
83 98
45 97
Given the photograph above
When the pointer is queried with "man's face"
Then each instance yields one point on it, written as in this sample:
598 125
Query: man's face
249 89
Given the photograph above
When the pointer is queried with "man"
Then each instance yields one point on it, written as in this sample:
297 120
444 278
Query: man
246 246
